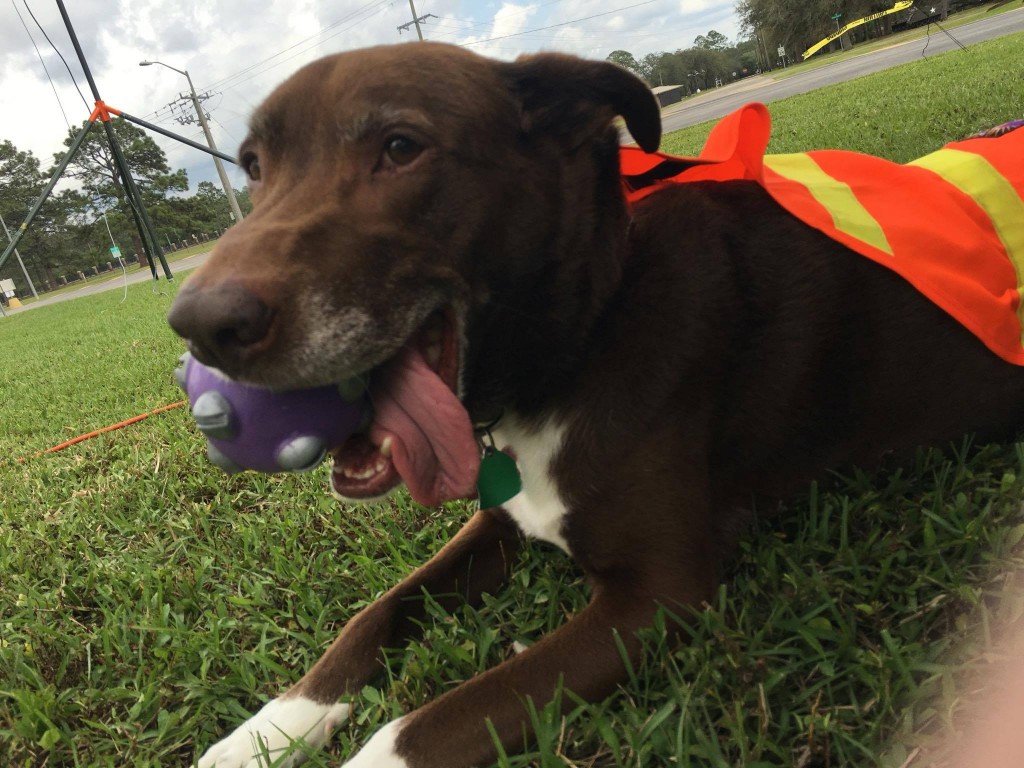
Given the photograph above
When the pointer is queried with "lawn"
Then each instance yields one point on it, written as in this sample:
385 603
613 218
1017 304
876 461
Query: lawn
148 602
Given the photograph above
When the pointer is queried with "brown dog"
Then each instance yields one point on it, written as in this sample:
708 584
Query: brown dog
456 228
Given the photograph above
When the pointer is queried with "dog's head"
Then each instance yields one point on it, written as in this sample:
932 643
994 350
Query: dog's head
405 197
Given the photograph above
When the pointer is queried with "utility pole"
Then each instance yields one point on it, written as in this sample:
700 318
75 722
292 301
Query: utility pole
415 20
764 47
18 257
185 119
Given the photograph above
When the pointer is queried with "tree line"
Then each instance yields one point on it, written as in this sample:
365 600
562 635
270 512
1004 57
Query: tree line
711 60
70 235
768 26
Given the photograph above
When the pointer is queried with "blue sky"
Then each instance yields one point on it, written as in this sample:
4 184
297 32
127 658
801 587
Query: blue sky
238 50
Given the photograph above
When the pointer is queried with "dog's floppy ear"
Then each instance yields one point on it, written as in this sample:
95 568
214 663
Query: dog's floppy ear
564 95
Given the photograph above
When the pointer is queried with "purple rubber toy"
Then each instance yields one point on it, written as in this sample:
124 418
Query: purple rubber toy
254 428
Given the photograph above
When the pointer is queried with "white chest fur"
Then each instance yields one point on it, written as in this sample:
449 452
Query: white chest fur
538 509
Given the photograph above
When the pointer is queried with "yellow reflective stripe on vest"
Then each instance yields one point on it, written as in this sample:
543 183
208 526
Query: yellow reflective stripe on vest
976 177
848 215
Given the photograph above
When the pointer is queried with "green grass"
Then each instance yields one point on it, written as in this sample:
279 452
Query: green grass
901 113
148 602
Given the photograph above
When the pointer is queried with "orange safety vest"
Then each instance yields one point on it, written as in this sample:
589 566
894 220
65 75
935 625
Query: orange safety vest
951 223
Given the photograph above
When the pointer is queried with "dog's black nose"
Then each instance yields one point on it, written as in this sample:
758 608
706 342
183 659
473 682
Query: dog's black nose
224 324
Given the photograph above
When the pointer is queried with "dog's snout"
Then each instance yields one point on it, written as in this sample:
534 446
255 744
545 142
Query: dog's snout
224 324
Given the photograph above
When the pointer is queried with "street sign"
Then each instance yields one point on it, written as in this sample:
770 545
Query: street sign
782 51
837 16
115 252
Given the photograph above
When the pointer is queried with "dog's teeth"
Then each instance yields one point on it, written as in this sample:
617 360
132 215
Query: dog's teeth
385 448
366 474
378 466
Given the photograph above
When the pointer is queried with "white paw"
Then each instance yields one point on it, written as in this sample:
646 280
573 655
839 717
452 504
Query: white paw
379 751
268 734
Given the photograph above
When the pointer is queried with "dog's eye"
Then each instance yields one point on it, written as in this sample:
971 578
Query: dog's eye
401 150
251 166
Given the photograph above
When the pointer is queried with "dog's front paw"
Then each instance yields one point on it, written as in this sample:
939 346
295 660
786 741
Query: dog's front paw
268 734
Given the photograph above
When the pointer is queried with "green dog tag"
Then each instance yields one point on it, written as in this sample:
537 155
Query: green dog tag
498 480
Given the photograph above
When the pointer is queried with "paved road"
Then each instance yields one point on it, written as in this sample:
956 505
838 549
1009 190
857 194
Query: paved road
721 102
712 105
135 275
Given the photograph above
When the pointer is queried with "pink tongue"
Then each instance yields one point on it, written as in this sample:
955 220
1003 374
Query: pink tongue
433 447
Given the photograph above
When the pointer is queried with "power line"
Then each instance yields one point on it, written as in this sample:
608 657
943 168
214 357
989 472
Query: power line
40 55
362 14
418 21
379 8
506 16
298 53
362 9
224 128
604 38
75 82
562 24
177 149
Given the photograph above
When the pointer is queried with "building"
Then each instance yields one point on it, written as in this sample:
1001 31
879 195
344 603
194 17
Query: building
669 94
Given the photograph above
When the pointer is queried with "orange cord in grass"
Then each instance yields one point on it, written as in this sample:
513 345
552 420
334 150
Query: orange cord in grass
111 428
